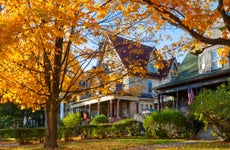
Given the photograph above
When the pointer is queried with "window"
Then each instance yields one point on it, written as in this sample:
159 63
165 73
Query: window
151 106
202 62
173 70
119 87
215 60
152 68
150 86
146 106
142 107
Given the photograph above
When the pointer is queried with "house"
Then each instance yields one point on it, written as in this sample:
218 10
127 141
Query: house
200 69
197 71
136 86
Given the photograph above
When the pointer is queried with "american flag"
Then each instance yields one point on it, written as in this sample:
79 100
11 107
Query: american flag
191 96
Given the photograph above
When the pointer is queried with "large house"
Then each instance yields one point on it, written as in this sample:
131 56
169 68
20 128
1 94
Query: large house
125 54
198 70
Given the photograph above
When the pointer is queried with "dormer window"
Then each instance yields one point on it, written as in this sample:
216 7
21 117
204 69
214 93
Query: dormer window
215 60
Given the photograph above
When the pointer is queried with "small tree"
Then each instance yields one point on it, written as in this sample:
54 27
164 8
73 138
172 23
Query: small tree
213 108
165 124
100 119
72 120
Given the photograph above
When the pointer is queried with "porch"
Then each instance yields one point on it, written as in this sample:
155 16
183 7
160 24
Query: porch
114 107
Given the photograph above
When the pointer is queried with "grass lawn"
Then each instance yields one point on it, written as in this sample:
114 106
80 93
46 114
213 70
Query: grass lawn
129 143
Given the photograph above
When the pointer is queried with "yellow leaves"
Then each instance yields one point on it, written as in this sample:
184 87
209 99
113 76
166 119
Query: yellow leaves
101 14
102 11
224 53
225 34
121 8
158 64
223 61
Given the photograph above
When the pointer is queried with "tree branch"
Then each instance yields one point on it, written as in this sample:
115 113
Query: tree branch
224 14
176 21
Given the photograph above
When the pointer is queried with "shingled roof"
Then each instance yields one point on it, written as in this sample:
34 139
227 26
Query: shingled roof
188 69
131 52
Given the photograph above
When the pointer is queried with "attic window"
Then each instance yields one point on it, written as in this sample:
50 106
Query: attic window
215 60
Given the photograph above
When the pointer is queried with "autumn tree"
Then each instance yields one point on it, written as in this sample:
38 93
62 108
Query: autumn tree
45 45
46 48
196 18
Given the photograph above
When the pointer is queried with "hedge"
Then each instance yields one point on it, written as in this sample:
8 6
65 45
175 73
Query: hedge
24 135
127 127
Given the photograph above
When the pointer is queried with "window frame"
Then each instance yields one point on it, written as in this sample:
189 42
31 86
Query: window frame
202 62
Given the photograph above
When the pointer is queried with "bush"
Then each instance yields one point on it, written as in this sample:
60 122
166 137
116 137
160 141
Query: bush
7 133
126 127
100 119
165 124
67 133
213 108
101 130
72 120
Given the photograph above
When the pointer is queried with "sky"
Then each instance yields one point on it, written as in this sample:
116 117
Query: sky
175 33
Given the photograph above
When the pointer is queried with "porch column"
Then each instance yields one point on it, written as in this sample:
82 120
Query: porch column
98 108
90 111
159 103
177 101
111 109
118 108
174 102
62 113
162 101
137 106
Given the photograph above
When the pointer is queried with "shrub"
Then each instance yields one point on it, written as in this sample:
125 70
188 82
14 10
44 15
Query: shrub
72 120
213 108
165 124
26 135
67 133
7 133
101 130
100 119
126 127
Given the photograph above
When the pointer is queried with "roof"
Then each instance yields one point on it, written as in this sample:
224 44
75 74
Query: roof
131 52
188 73
188 68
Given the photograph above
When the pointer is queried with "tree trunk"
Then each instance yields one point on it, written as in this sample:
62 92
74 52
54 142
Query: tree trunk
51 123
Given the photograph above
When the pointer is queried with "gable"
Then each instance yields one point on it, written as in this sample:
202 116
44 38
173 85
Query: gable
131 52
